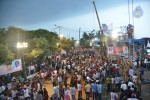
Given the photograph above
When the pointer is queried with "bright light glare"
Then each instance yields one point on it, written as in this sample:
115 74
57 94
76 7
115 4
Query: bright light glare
61 36
77 43
114 34
22 45
57 44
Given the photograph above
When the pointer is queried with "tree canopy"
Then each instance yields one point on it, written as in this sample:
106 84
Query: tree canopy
40 43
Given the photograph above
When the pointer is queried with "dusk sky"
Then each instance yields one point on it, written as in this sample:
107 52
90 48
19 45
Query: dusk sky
72 14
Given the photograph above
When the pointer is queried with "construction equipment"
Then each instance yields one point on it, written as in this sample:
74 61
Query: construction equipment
103 45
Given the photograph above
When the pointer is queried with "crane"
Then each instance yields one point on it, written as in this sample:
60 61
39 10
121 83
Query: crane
103 45
98 18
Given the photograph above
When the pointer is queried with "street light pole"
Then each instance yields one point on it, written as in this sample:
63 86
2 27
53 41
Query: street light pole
79 36
22 45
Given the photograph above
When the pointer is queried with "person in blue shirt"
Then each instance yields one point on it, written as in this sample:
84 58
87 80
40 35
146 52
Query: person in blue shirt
94 90
99 90
73 92
21 79
31 95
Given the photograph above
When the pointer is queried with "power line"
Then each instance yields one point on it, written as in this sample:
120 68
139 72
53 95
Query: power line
69 29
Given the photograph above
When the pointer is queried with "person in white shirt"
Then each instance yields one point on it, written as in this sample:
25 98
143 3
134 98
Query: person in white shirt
123 86
38 86
88 79
79 77
3 88
26 93
134 78
59 79
131 72
114 95
42 76
35 95
32 69
130 84
67 94
13 93
79 86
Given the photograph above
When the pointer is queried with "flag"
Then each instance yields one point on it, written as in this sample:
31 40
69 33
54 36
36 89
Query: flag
104 28
138 12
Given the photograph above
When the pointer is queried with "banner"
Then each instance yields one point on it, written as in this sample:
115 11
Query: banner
15 66
125 49
118 50
110 50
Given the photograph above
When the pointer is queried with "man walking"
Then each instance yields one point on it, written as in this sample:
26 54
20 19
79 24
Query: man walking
94 90
87 88
99 89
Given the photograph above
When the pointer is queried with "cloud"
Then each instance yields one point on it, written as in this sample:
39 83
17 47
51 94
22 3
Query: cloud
24 12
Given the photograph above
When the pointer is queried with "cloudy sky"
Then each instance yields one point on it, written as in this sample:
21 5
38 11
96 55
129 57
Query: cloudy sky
72 14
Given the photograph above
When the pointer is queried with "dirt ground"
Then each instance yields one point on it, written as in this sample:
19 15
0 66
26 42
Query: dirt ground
49 87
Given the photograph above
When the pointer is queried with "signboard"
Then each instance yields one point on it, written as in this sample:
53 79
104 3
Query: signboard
125 49
110 50
15 66
118 50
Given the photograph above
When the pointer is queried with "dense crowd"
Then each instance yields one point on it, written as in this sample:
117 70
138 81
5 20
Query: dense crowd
88 71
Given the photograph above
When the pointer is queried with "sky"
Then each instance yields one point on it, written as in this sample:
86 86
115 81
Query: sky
73 14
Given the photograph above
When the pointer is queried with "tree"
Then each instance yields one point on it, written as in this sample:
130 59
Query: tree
85 36
6 56
67 44
2 36
37 47
40 42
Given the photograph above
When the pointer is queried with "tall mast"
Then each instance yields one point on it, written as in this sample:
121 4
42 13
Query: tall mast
98 18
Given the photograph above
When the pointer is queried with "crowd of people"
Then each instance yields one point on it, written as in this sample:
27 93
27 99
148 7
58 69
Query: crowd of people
88 71
16 87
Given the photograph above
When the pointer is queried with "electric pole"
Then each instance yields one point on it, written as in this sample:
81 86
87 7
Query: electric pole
79 36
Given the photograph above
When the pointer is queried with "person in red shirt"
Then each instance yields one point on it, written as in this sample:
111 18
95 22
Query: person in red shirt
115 70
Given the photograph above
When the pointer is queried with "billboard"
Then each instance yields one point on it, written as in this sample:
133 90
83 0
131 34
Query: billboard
14 67
125 49
110 50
